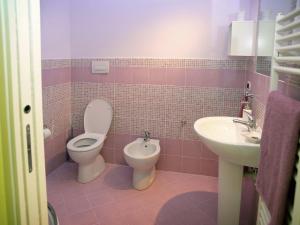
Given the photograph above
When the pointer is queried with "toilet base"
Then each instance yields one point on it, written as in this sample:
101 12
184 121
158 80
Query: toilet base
91 171
142 179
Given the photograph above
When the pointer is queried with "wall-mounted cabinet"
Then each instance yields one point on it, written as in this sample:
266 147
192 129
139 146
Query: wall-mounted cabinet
241 38
265 38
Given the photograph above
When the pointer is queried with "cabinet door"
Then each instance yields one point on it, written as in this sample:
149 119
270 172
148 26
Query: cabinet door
241 38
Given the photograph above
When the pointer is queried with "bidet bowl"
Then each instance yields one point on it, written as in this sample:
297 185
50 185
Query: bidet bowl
142 157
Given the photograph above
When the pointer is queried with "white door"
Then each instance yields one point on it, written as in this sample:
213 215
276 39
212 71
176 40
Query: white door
22 108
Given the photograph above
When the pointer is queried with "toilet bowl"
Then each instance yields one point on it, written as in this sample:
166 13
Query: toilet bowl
85 148
142 157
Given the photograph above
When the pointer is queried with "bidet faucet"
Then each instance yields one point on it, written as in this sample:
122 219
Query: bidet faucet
146 135
251 123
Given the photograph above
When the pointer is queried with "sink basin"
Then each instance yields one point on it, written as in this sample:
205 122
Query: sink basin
228 140
225 138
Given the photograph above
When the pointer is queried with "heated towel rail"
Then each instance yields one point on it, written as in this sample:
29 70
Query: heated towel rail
286 61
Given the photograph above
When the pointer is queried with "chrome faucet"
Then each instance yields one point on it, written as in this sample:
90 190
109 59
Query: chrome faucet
146 136
249 95
251 123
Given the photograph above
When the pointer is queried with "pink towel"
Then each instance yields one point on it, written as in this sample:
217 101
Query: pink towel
278 152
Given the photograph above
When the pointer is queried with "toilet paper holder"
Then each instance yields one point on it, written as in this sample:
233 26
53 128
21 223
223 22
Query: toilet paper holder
46 131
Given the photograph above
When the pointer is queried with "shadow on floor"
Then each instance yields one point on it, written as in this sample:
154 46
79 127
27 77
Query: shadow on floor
119 178
191 208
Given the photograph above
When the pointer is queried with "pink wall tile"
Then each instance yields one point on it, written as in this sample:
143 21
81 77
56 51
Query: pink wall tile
55 152
200 77
175 76
191 149
207 153
56 76
54 162
191 165
169 162
232 78
108 154
260 86
209 167
170 146
157 76
123 75
84 74
140 75
121 140
119 156
110 141
215 78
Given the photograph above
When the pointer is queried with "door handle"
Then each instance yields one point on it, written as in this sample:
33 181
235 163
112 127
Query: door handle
29 152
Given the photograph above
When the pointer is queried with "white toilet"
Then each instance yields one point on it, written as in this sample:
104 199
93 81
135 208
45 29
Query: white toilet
85 148
142 156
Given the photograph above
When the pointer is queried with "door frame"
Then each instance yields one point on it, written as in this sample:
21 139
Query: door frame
22 144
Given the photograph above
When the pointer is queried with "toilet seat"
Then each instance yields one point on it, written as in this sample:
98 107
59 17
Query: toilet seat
97 117
85 142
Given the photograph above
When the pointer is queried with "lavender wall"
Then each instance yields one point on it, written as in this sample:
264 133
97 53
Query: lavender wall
55 29
276 6
158 29
170 29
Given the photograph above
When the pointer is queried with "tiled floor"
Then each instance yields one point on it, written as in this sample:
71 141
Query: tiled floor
173 199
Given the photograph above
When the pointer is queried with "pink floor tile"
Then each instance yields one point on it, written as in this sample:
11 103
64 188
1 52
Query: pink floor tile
77 205
173 199
84 218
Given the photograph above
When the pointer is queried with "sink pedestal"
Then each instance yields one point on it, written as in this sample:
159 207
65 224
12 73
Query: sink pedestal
230 190
226 139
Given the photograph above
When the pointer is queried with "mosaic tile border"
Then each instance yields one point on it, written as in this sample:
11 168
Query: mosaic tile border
263 65
259 111
158 108
55 63
57 108
233 64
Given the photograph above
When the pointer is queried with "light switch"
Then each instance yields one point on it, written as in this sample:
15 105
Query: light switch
100 67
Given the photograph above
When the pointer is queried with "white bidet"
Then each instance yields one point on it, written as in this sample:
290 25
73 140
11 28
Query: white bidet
142 156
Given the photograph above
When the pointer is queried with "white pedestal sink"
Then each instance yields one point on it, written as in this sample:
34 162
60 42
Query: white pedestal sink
226 139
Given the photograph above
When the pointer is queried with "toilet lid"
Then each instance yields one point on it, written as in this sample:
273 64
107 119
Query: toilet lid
97 117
